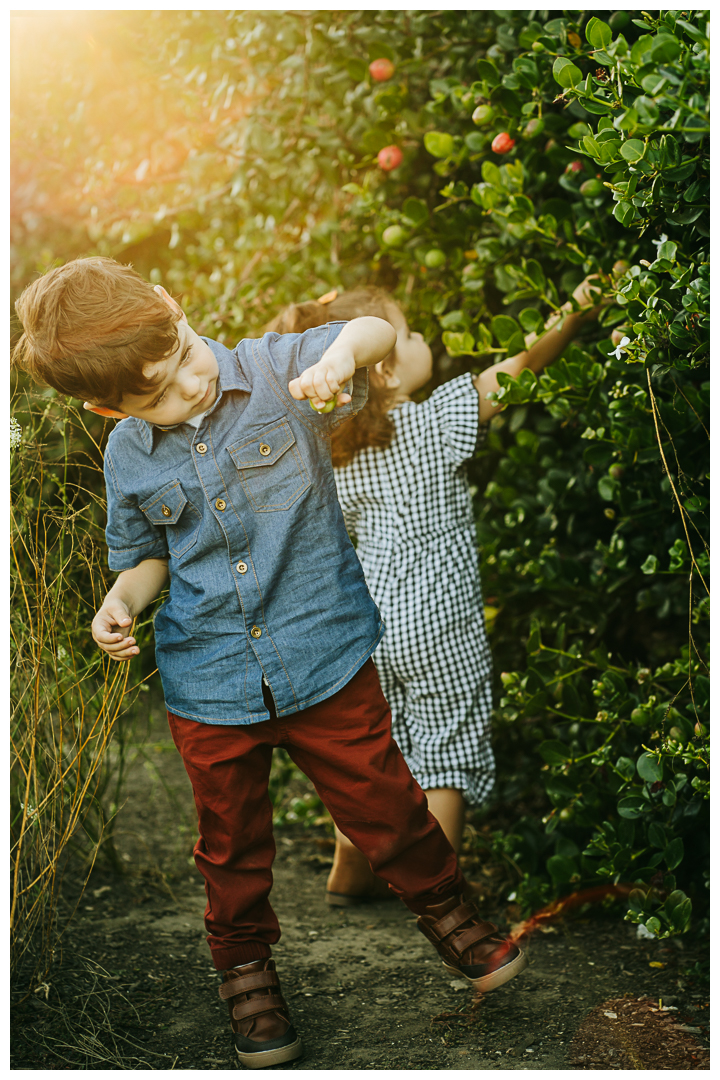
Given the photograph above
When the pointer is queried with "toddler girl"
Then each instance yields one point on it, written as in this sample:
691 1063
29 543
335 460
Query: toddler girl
405 499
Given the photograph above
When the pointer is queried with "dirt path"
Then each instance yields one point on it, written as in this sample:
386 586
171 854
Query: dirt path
135 988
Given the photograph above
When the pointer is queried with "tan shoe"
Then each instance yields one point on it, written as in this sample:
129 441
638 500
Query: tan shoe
469 947
259 1015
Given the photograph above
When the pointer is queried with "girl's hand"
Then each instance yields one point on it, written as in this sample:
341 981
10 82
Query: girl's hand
325 380
588 294
114 614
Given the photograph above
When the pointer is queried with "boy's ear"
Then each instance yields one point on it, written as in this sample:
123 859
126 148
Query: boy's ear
169 301
102 411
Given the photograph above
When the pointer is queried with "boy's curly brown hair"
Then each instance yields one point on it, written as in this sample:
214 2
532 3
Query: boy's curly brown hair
90 327
372 426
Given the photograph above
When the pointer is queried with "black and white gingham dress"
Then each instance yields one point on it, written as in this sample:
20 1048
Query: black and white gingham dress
410 509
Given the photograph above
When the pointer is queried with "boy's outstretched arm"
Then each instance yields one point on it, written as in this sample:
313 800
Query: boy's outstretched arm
361 343
133 591
542 349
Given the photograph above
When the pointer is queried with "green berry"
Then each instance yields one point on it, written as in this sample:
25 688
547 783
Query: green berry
327 407
394 236
483 115
435 258
591 188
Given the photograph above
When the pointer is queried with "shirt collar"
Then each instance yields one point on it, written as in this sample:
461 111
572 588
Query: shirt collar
230 377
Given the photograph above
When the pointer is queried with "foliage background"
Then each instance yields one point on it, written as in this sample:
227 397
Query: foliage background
231 156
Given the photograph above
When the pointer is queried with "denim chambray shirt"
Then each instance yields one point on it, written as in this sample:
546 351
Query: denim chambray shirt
264 580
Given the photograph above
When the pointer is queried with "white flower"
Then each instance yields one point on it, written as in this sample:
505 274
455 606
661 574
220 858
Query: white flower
15 433
617 352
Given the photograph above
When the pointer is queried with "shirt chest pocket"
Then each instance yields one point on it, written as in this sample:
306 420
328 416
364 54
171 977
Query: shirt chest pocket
272 471
170 507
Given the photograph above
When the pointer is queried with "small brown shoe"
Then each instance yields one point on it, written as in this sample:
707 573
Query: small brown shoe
470 947
259 1015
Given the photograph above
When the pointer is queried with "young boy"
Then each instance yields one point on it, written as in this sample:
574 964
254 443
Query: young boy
220 477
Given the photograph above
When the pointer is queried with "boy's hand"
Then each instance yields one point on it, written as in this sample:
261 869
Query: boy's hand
114 614
324 381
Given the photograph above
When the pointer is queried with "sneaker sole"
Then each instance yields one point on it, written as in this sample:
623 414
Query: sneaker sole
264 1058
486 983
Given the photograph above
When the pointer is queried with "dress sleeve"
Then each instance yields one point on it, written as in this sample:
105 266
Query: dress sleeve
456 406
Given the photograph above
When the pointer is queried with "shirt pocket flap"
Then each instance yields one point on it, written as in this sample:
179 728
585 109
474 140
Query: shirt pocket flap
263 449
166 505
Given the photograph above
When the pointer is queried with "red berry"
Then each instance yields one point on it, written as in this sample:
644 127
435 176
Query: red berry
389 157
382 70
502 143
574 166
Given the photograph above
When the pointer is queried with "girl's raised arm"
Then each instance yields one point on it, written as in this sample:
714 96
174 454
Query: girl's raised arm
542 350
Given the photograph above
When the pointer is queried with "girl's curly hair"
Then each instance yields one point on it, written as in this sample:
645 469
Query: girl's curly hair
372 426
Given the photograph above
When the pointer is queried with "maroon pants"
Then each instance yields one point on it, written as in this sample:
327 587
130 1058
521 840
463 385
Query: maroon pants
344 746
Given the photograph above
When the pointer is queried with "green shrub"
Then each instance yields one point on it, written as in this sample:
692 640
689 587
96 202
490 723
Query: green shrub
232 156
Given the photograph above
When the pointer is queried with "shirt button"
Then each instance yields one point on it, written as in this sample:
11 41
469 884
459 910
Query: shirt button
166 511
256 632
220 504
201 448
265 449
242 567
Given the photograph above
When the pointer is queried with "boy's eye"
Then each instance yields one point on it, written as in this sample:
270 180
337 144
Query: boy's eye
186 355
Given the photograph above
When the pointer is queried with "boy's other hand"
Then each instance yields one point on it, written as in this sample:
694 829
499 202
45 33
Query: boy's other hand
108 633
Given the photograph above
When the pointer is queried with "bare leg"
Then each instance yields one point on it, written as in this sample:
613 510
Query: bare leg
448 806
351 874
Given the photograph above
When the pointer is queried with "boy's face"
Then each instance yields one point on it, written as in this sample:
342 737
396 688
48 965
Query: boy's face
186 380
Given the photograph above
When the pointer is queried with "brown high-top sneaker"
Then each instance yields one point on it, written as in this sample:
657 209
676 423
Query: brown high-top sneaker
470 947
259 1015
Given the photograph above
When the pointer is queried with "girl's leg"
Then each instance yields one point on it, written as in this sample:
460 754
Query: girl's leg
345 746
448 806
351 876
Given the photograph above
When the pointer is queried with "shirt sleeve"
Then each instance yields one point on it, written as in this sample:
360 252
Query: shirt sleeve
283 357
131 538
456 407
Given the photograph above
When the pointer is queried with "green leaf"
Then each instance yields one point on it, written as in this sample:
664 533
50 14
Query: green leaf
631 807
488 72
491 174
606 488
674 853
416 210
650 565
458 344
356 69
656 833
504 328
561 869
439 143
665 47
667 250
598 33
632 150
626 767
554 752
649 768
566 73
624 212
531 320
